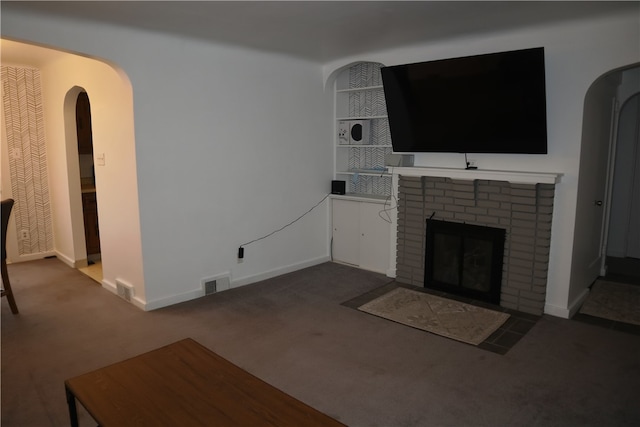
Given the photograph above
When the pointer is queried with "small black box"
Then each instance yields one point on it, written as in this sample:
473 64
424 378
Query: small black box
338 187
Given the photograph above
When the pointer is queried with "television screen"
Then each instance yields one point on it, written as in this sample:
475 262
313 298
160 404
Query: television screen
492 103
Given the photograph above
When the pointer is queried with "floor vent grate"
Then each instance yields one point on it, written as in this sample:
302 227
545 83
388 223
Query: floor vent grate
214 284
125 290
210 287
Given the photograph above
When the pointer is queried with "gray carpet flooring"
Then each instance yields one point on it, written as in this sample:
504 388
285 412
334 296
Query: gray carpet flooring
294 332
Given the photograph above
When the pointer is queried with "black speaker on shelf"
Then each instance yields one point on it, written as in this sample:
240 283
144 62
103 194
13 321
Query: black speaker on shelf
338 187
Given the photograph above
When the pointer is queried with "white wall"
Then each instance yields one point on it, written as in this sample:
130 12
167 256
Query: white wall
576 54
247 146
230 145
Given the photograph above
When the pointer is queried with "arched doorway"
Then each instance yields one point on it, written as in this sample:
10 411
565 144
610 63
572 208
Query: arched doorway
623 242
112 125
88 187
595 186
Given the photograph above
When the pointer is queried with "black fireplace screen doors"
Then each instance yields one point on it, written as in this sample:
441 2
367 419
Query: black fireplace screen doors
464 259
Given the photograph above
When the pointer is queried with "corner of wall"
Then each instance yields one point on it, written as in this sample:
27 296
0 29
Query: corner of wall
570 310
136 301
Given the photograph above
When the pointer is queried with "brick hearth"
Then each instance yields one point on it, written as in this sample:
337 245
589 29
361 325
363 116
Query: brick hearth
523 210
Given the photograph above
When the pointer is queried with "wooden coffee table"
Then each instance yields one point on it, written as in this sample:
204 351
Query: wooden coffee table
185 384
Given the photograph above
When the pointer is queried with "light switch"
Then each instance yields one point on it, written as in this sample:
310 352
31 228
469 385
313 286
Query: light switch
100 159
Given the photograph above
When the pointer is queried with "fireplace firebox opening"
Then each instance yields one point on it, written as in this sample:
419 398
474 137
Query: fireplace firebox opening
464 259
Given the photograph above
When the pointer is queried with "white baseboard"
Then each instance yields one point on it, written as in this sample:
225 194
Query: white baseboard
173 299
199 292
247 280
571 310
69 261
31 257
111 287
556 311
577 303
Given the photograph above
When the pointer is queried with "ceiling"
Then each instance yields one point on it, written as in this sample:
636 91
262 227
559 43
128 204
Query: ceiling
324 31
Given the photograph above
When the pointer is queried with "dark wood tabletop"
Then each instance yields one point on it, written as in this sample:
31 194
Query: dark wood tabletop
185 384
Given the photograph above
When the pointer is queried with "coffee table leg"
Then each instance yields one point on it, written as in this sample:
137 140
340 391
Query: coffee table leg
73 412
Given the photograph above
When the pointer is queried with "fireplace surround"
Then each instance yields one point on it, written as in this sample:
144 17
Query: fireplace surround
523 210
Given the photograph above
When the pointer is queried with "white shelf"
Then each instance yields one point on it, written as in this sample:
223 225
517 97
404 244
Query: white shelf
359 89
361 197
365 172
362 118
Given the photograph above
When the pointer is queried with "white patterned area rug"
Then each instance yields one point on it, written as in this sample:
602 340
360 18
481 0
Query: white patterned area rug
442 316
613 301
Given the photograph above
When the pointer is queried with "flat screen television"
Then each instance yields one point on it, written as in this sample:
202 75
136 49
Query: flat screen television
491 103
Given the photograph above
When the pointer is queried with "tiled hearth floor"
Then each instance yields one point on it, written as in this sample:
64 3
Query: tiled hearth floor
500 342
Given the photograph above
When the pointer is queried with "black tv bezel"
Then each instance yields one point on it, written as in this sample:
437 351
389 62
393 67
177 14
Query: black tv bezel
398 109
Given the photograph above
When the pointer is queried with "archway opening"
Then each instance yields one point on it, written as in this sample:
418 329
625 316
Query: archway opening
88 187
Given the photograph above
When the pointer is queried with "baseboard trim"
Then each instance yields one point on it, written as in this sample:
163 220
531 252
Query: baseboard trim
247 280
556 311
199 292
111 287
173 299
577 303
69 261
571 310
31 257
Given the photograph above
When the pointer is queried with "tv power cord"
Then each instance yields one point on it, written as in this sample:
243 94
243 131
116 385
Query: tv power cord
241 248
468 163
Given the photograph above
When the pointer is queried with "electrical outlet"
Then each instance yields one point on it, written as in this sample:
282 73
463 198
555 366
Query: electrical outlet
100 160
24 234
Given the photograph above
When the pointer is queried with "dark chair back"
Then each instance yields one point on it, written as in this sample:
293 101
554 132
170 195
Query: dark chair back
7 206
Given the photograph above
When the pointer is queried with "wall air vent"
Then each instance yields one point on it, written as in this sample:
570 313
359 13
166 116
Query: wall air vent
125 290
211 285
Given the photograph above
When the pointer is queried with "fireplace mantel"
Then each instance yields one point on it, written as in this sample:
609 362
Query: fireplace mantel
513 177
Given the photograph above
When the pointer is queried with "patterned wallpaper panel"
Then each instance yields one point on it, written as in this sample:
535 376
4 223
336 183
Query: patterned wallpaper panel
369 103
365 74
22 101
